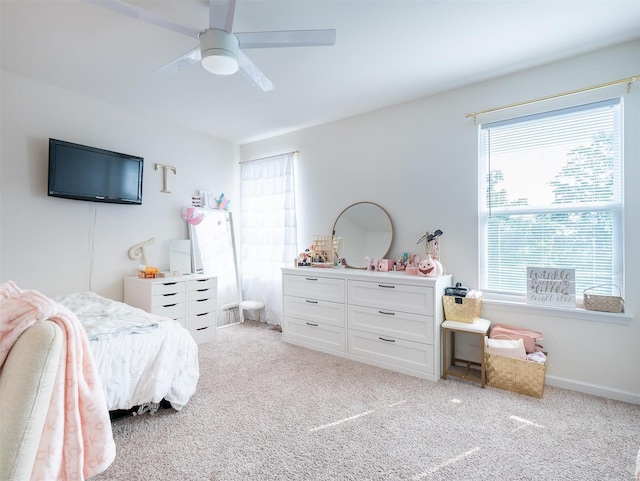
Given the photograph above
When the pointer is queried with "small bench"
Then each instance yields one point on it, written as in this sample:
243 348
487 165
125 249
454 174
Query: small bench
479 328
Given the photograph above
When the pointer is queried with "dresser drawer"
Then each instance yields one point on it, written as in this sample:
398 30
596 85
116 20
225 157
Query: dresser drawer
201 306
169 287
311 287
197 322
199 284
323 337
316 311
169 298
204 293
203 334
389 295
404 325
391 352
172 311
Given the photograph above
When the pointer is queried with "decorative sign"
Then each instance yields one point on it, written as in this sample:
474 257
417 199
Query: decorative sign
551 286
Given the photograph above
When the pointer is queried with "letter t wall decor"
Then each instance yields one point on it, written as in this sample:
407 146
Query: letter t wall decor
165 178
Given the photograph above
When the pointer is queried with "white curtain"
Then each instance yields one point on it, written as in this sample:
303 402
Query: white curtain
267 231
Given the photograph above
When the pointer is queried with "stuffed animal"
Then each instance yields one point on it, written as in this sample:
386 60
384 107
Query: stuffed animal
192 215
430 267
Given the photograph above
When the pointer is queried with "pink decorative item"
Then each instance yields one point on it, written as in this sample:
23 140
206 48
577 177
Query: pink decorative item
384 265
192 215
411 270
430 267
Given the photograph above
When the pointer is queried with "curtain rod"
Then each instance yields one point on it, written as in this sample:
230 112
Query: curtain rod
628 81
294 152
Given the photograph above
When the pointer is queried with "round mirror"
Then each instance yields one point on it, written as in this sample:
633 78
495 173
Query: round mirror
365 230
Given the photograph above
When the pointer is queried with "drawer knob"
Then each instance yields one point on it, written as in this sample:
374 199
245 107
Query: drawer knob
311 324
387 313
386 340
386 287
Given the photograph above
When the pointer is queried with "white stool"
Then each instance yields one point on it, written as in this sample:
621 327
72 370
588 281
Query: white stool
479 327
251 306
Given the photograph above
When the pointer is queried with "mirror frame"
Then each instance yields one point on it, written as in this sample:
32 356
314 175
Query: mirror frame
383 210
198 267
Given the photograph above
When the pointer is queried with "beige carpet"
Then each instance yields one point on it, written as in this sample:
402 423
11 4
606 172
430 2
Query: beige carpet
266 410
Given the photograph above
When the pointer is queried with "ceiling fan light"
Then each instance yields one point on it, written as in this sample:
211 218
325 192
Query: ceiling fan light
219 51
220 62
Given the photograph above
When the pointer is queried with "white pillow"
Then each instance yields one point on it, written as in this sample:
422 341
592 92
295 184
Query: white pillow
505 347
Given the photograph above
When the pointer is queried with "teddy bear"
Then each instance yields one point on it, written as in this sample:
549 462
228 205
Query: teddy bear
430 267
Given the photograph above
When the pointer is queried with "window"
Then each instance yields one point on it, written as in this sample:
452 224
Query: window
550 187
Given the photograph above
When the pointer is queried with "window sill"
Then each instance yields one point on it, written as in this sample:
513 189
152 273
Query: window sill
576 313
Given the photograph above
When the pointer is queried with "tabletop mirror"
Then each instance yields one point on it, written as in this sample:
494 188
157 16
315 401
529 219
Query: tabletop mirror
365 230
213 253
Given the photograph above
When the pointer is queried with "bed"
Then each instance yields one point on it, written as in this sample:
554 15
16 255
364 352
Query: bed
144 361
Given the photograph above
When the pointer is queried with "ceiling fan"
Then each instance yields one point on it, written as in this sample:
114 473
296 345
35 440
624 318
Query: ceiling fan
220 49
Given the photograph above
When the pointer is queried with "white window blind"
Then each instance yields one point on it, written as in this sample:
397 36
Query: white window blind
551 196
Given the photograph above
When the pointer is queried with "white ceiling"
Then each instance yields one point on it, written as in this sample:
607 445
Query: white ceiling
386 52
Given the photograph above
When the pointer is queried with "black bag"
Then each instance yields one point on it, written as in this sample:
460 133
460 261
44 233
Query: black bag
458 290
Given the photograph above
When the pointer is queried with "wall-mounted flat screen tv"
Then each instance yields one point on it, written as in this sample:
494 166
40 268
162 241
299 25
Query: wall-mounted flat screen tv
88 173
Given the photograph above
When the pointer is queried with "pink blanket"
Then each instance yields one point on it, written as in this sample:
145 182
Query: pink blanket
77 441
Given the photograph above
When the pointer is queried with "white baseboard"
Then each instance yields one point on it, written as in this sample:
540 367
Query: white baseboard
614 394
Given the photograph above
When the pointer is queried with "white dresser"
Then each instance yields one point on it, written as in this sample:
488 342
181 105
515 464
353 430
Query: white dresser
388 319
190 300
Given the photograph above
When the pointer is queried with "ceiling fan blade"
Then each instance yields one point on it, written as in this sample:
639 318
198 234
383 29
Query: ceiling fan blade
182 62
287 38
253 73
146 16
221 14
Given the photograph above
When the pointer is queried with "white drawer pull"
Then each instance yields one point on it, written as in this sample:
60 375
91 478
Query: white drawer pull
386 287
387 313
310 324
311 302
386 340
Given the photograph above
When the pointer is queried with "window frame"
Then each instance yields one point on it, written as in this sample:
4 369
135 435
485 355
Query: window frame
616 208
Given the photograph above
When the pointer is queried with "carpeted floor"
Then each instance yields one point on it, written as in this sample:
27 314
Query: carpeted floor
266 410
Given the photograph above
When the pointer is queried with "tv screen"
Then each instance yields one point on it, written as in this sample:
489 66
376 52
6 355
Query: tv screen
88 173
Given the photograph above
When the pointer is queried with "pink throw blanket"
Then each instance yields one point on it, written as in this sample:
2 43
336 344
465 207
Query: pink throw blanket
77 441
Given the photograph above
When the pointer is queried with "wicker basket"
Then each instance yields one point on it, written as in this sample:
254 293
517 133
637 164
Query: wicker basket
463 309
515 375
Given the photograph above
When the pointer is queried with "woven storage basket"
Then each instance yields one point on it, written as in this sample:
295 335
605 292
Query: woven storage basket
596 302
463 309
515 375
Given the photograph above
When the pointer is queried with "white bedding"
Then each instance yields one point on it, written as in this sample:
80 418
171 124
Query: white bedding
147 358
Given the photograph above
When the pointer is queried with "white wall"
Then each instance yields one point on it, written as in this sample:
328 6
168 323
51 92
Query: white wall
59 246
419 161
